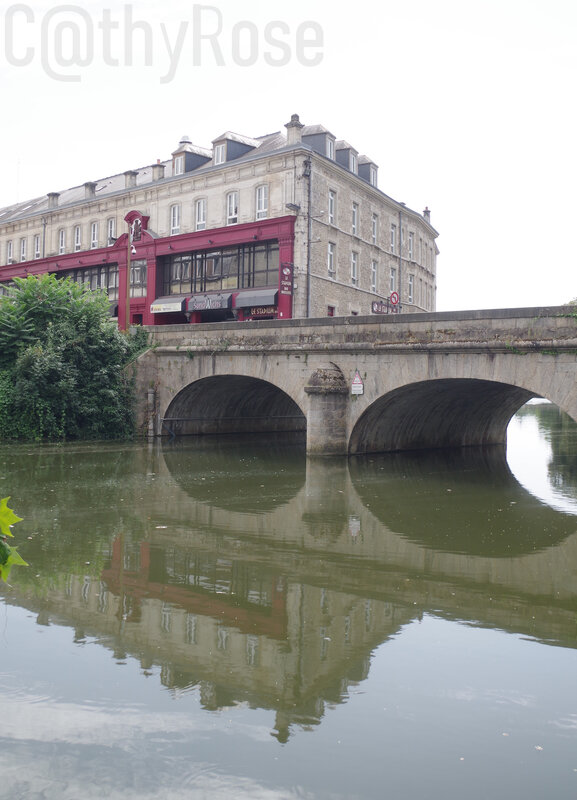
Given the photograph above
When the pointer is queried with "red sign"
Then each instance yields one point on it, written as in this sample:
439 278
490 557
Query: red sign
286 278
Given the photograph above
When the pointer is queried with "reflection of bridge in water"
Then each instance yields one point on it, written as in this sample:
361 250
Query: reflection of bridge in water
273 585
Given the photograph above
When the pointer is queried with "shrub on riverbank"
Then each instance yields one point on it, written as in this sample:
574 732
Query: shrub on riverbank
62 363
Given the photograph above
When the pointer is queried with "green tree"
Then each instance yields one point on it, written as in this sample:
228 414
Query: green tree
62 363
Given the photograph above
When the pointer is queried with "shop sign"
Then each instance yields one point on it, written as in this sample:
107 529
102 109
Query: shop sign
286 278
206 302
262 311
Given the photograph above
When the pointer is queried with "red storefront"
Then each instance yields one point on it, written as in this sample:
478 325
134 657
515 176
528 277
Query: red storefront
236 272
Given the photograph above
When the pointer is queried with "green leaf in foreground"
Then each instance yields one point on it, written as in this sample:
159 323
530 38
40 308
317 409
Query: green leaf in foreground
7 517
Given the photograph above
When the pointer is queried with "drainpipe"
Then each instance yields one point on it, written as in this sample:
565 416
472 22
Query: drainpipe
44 224
307 174
400 258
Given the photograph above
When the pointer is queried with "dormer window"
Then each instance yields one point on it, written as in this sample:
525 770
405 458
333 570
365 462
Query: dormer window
219 153
353 163
179 165
373 175
330 148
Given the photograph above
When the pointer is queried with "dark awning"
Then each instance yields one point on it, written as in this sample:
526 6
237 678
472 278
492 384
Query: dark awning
209 300
256 297
163 305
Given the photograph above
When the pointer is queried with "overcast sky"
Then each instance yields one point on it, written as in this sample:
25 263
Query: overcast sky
467 108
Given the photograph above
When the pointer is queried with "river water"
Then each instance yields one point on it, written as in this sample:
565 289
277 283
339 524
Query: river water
225 619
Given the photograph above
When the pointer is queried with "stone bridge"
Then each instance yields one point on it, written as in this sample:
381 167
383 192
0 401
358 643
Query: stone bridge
360 384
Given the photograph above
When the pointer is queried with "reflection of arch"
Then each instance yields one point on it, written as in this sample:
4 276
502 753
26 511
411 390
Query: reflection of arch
464 501
232 404
227 474
439 413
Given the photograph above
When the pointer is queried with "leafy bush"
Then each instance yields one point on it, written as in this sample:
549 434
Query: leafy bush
62 363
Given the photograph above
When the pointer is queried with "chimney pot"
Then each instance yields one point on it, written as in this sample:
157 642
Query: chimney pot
53 199
294 130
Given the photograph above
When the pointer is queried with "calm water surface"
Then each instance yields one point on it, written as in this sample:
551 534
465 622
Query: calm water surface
215 619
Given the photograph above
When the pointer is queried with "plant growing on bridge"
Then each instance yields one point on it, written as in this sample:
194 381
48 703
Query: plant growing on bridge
8 555
61 363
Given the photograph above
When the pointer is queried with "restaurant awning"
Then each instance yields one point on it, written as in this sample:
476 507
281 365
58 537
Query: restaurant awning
256 297
209 301
164 305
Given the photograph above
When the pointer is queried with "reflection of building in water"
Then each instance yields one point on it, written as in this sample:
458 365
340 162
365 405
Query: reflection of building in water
239 631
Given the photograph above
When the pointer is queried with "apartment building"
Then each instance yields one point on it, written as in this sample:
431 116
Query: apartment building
287 225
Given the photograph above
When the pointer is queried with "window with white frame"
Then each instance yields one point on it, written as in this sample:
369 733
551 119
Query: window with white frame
23 247
61 241
174 219
375 228
330 148
219 153
411 246
332 206
179 165
111 230
94 235
393 238
355 219
373 176
353 162
331 262
262 201
411 288
373 276
37 246
9 252
354 268
393 280
200 214
232 208
77 238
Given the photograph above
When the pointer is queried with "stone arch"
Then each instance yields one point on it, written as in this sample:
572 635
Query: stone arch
449 412
232 404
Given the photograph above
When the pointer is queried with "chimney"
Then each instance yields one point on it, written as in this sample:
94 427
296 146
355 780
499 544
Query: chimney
427 214
157 171
89 190
130 179
294 130
53 199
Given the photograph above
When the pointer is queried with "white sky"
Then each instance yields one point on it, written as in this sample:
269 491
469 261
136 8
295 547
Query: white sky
468 108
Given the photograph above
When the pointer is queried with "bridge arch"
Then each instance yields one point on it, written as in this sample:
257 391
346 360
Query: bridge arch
449 412
232 404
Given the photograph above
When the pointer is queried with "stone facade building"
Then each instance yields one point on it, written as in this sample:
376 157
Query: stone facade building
278 226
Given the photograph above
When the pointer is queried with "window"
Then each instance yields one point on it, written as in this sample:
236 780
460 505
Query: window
355 219
373 276
111 230
9 252
77 238
331 260
331 148
37 246
61 241
262 202
178 165
94 235
354 269
375 228
219 153
332 206
232 208
330 311
174 219
353 163
411 246
393 238
373 176
411 288
393 280
23 245
200 214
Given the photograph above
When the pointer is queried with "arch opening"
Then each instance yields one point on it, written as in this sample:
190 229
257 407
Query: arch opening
438 414
232 404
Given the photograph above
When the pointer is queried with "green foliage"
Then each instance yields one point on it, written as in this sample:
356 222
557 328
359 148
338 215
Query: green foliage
61 363
8 555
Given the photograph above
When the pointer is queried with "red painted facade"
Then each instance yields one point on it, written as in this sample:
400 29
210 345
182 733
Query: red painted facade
146 247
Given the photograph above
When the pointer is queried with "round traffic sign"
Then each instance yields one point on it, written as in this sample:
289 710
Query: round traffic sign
394 298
